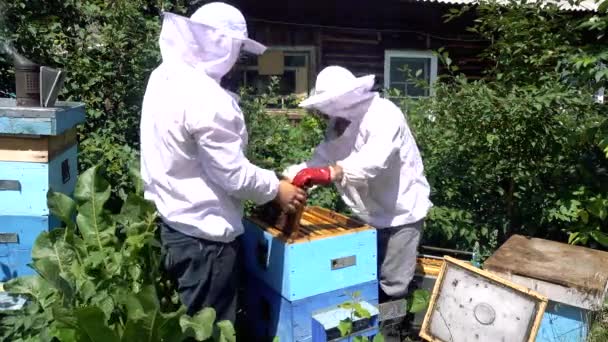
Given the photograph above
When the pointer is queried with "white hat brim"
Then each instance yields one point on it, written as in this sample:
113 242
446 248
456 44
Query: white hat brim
253 47
363 83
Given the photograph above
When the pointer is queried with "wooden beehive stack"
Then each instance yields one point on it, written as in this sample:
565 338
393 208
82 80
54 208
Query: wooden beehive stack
299 277
38 152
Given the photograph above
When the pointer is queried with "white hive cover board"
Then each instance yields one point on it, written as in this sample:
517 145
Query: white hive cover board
469 304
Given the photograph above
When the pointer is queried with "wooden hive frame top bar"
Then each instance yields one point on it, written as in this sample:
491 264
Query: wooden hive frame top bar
316 223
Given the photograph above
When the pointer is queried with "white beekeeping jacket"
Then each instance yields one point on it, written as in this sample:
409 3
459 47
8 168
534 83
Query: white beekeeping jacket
384 182
193 134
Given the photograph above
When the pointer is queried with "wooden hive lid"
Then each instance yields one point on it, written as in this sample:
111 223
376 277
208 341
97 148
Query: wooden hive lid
554 262
316 223
469 304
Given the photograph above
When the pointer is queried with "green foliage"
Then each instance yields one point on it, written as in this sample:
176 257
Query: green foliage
521 151
275 143
108 49
98 277
418 301
357 311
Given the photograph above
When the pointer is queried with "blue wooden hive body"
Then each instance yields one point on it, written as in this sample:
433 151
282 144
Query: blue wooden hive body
38 153
332 253
270 315
292 279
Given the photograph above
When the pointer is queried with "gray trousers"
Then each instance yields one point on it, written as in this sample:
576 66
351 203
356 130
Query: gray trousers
397 251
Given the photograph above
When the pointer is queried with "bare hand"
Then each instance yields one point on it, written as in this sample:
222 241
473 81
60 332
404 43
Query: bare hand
336 173
290 197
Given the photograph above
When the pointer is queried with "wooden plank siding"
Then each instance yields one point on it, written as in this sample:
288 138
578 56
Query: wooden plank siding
362 51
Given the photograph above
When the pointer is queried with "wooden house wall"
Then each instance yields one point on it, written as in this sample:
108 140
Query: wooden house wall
362 50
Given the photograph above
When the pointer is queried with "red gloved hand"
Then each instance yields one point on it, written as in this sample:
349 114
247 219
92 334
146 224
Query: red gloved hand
312 176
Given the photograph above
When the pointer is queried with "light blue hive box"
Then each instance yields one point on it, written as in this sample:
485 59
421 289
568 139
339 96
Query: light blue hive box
38 152
292 282
574 278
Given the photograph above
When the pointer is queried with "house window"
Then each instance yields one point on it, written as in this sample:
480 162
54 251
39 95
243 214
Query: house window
292 65
396 61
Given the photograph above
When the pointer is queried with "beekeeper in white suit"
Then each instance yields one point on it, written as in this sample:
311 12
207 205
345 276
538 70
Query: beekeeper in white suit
193 138
373 159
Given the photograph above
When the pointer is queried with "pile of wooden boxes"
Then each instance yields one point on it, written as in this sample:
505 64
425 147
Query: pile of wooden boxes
574 278
38 152
295 284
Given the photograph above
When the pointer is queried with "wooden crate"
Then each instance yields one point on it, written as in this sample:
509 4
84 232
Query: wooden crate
332 252
269 315
24 185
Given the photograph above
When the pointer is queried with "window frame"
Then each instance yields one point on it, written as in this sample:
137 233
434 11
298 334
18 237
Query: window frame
404 53
311 67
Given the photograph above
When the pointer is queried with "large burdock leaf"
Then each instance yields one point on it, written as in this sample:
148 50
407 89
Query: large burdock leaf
50 245
49 270
63 207
225 332
92 324
145 322
91 193
200 326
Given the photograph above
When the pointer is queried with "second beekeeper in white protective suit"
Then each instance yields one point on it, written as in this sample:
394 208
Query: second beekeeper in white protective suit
371 156
193 138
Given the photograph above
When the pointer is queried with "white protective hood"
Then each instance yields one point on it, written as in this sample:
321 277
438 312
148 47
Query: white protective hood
338 93
210 39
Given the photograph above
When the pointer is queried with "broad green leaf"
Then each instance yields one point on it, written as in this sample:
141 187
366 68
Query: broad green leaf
378 338
275 339
96 228
49 270
600 237
91 193
200 326
226 332
345 327
135 177
50 245
92 188
347 305
65 334
420 300
360 311
63 207
32 285
93 324
360 339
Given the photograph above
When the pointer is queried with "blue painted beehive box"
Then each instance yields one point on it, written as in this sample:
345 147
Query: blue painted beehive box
332 252
38 153
574 278
269 315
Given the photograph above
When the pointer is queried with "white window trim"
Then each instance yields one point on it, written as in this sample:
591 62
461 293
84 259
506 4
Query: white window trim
388 54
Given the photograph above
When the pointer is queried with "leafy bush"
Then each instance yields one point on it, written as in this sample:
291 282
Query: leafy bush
517 152
274 143
99 277
108 49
